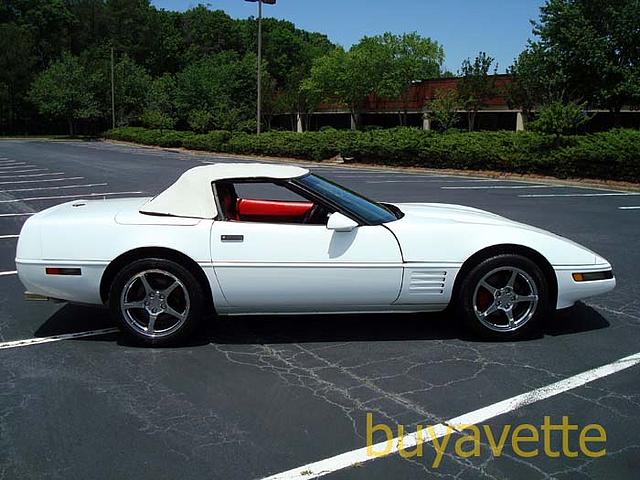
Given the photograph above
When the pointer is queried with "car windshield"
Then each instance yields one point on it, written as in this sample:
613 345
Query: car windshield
371 212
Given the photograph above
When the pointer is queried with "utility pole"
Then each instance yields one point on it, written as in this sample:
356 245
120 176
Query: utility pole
259 114
113 94
259 109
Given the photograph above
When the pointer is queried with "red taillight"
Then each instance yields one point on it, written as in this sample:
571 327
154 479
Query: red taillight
62 271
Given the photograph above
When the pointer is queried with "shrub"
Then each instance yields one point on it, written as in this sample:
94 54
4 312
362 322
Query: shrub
200 120
613 155
157 119
214 141
560 119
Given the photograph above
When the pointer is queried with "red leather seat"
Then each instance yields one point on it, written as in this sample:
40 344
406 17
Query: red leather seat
272 208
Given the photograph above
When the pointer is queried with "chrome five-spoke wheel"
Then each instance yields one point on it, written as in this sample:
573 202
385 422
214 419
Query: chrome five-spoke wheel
158 301
505 299
504 296
155 303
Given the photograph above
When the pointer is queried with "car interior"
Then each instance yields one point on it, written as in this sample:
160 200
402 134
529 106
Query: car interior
235 207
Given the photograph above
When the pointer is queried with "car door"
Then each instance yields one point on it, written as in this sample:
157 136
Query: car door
267 267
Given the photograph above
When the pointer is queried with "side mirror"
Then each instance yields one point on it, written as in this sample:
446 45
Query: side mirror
340 223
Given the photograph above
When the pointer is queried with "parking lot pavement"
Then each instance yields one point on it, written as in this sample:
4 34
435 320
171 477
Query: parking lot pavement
252 397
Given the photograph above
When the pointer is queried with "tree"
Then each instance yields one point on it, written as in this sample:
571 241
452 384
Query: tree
476 85
17 61
223 85
411 58
536 80
348 77
157 119
209 32
159 106
560 118
596 45
66 90
132 84
443 109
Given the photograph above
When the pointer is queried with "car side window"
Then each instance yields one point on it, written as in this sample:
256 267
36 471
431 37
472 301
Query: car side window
267 202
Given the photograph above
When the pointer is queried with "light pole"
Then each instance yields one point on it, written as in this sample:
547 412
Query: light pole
113 94
259 112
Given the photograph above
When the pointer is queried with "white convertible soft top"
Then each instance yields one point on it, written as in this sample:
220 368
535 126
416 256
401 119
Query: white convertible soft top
192 195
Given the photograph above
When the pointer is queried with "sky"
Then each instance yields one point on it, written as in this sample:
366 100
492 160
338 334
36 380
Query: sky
464 27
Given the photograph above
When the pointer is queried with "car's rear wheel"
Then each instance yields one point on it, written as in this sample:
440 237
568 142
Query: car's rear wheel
157 301
505 296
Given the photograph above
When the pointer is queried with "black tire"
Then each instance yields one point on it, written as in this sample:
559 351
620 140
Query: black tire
474 298
177 312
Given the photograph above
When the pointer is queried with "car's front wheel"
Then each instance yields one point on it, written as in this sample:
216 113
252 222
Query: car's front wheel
505 296
157 301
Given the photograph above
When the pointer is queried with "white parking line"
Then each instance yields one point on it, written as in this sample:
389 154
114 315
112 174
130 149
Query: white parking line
4 177
56 338
57 187
79 197
12 182
397 181
629 208
5 237
29 170
4 274
15 165
359 456
620 194
475 187
16 214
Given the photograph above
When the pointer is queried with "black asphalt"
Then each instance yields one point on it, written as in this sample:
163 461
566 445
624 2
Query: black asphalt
255 396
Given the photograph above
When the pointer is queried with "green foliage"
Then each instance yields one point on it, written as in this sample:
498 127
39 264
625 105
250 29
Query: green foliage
17 64
348 77
148 42
408 58
477 85
157 119
611 155
161 97
593 45
223 86
214 141
443 109
536 80
200 120
560 119
66 90
387 65
132 83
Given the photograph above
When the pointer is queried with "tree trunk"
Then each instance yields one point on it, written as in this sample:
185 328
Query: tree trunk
70 122
471 117
355 120
405 108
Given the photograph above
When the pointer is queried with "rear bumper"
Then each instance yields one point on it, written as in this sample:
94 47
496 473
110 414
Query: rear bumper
83 288
570 291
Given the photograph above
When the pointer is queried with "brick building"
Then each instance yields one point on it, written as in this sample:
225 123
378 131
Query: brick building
384 112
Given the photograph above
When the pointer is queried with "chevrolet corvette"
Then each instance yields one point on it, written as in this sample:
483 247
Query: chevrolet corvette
239 239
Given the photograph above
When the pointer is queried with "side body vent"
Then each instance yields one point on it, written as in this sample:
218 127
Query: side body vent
427 285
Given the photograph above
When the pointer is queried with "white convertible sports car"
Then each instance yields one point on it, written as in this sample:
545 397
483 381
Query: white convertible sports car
268 239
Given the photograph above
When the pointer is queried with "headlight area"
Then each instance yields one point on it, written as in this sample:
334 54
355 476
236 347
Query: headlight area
592 276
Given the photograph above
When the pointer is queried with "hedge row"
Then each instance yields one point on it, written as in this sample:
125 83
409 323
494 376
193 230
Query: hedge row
612 155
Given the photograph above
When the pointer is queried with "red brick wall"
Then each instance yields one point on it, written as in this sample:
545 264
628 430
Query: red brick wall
419 94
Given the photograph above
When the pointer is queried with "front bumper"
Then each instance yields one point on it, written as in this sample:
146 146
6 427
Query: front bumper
570 291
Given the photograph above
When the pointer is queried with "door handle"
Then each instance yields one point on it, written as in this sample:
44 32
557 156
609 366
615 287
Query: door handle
232 238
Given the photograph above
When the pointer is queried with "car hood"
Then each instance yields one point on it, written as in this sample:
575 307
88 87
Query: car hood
442 212
452 233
